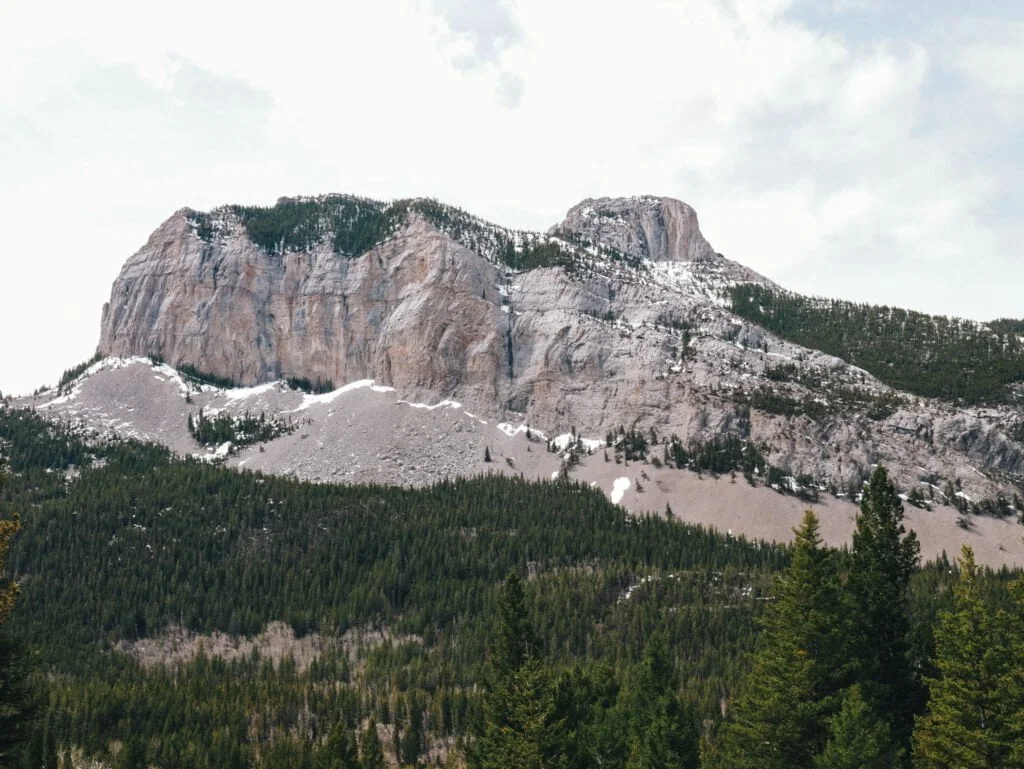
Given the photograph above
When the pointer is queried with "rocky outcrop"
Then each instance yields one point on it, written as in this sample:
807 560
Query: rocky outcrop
418 311
634 332
659 229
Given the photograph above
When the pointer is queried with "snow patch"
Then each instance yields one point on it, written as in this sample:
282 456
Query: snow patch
244 393
443 404
360 384
620 487
564 441
512 432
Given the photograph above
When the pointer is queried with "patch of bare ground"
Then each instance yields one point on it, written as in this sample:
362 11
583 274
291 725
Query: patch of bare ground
278 642
731 505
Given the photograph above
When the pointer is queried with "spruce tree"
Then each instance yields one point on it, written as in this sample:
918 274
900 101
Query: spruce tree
884 559
662 733
17 705
371 752
521 730
858 739
132 755
971 721
780 719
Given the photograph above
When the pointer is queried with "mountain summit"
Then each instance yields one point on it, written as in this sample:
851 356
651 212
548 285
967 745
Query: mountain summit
620 325
646 227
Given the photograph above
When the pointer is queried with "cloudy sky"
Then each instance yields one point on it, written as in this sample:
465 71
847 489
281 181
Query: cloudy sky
856 148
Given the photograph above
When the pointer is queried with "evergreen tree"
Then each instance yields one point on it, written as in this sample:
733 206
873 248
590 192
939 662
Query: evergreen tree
780 720
857 739
371 753
17 707
132 755
884 560
521 729
339 752
971 721
662 733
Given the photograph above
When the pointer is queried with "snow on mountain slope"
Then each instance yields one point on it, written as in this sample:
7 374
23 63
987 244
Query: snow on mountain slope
437 327
367 433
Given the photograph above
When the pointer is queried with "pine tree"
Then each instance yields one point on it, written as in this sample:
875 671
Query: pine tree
974 700
780 720
339 751
662 733
884 559
371 752
132 755
858 739
521 730
17 705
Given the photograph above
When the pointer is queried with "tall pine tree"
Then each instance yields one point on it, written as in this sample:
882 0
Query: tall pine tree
521 730
662 732
780 719
884 559
971 721
858 739
17 706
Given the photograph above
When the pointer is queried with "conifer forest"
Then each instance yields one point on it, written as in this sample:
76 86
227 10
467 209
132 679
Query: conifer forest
167 612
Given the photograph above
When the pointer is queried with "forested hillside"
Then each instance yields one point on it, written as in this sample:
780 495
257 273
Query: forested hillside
928 355
614 640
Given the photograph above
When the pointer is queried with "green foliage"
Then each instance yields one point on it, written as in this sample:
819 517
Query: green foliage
858 738
371 752
17 705
190 372
74 372
660 731
721 454
931 356
306 385
571 660
351 225
884 560
521 729
239 431
772 402
976 699
141 542
780 719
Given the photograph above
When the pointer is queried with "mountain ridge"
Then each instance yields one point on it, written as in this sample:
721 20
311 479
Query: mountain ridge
575 332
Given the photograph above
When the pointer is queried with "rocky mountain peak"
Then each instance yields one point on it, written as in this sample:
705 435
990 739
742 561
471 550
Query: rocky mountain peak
645 227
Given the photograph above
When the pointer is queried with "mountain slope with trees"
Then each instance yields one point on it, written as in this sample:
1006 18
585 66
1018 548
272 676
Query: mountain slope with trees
929 355
614 640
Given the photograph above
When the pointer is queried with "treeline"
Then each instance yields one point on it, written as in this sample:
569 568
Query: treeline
928 355
352 226
838 680
140 542
239 431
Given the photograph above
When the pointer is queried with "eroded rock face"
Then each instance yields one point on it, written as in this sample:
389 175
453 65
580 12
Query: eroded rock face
418 311
609 344
659 229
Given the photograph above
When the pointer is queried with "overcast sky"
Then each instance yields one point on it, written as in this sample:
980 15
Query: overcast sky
864 149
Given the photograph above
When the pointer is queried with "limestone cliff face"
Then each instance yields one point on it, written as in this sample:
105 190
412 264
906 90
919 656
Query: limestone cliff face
660 229
635 334
418 311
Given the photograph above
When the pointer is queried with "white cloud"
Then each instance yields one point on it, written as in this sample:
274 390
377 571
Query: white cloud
835 165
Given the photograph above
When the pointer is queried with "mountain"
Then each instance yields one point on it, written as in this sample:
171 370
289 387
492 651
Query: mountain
428 337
